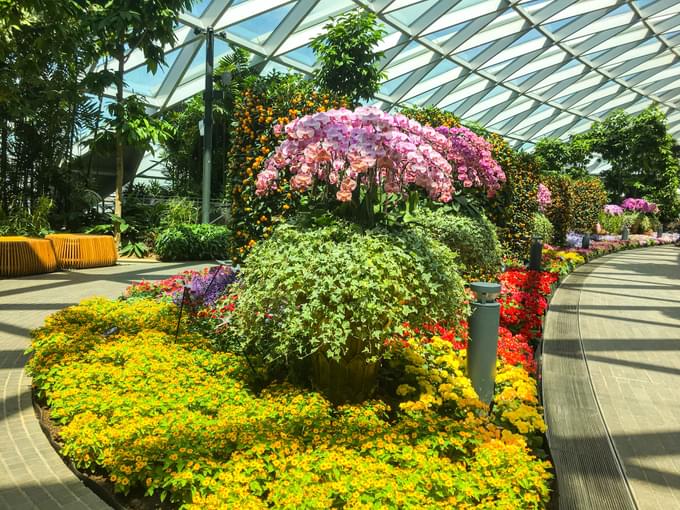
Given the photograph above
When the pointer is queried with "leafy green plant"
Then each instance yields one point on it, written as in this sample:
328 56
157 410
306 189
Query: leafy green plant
137 249
21 221
114 223
473 239
542 227
349 64
339 292
193 242
179 211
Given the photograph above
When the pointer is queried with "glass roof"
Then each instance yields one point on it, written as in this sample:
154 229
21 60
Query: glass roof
532 69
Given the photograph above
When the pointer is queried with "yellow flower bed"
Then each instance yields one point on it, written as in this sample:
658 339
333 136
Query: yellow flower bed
182 421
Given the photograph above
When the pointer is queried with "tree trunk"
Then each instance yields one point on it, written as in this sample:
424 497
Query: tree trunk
4 163
118 199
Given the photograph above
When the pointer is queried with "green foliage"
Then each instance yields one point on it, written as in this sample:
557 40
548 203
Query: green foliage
323 289
137 128
179 211
431 116
19 221
473 239
193 242
264 102
543 228
641 223
612 223
561 210
643 163
512 209
137 249
349 65
555 156
588 197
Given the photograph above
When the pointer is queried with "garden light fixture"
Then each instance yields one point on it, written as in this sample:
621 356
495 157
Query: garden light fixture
536 254
483 346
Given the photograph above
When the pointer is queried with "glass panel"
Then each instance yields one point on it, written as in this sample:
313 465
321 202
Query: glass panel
258 28
409 14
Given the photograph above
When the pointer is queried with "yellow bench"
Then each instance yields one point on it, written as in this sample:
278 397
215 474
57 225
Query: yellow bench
79 251
20 256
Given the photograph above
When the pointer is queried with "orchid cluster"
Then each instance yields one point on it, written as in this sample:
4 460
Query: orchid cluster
471 155
544 197
639 205
613 210
369 147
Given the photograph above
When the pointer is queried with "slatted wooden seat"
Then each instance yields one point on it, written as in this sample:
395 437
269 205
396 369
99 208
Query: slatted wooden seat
79 251
20 256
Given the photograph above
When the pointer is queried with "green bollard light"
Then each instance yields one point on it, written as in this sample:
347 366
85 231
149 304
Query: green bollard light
585 242
625 233
483 346
659 231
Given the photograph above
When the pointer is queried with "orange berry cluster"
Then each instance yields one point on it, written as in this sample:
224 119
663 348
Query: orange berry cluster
270 100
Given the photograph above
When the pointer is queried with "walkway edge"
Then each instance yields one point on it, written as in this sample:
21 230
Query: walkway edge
589 471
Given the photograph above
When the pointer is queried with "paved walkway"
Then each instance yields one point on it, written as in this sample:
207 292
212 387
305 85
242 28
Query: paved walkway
32 475
623 310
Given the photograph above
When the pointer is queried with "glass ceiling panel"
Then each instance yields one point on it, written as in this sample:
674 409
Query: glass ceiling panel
588 55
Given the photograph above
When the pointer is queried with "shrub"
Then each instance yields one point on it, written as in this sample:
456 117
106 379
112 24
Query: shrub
561 211
328 288
473 239
193 242
588 199
513 207
179 211
542 227
265 102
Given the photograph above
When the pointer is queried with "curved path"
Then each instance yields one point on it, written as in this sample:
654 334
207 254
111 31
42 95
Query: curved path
611 381
32 475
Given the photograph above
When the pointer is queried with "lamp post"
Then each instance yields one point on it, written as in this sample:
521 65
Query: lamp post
206 126
483 347
536 253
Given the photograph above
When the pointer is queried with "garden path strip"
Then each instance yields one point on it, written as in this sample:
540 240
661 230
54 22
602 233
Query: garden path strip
32 475
610 379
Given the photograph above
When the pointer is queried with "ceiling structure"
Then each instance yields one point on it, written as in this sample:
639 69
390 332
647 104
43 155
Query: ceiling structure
526 69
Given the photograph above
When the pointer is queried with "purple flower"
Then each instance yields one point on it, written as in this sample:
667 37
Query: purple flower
640 205
207 287
613 210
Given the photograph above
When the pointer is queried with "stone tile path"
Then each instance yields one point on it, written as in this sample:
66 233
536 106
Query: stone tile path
630 324
627 318
32 475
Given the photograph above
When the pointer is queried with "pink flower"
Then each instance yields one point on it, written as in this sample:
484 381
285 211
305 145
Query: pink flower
544 197
344 149
344 196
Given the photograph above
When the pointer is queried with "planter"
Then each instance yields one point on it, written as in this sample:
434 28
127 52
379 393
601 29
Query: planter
350 379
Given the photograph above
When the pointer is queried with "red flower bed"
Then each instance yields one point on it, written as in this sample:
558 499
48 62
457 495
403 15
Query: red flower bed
524 300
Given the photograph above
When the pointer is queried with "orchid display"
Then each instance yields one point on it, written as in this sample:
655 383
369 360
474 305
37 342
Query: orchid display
639 205
613 210
544 197
473 160
367 147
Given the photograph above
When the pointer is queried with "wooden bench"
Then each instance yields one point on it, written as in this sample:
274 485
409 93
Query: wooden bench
20 256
